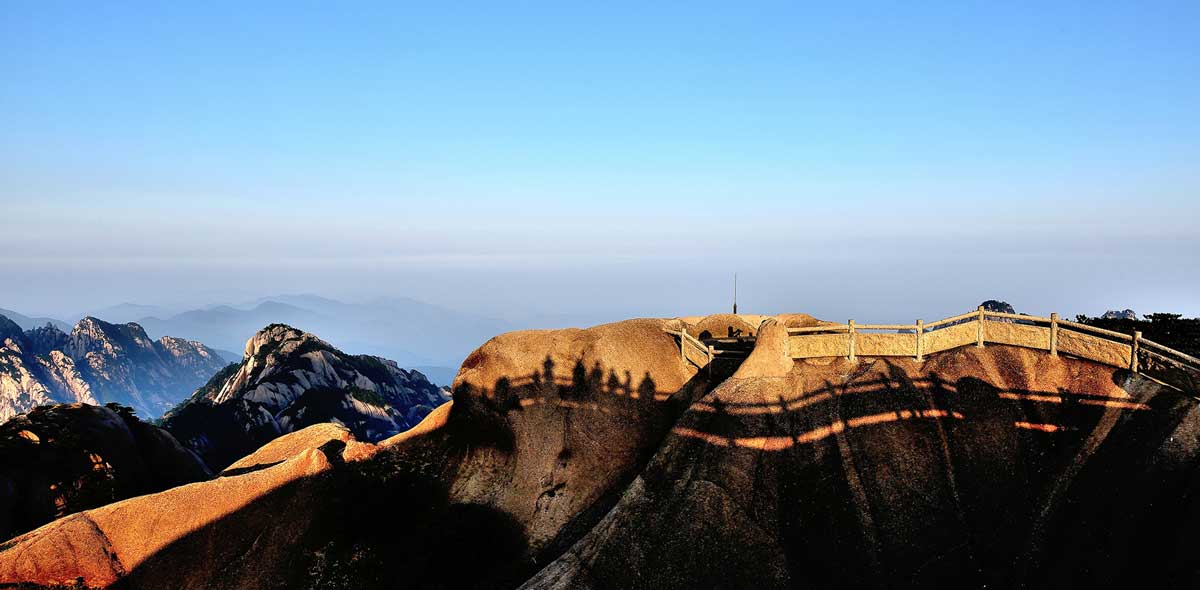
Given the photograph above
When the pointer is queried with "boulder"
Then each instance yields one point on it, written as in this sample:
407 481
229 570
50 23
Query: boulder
723 325
290 445
558 420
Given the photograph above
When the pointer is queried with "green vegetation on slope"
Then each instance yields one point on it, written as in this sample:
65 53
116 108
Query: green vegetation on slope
1168 329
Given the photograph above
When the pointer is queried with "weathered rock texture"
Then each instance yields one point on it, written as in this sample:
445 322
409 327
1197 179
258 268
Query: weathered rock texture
600 458
998 467
290 445
98 363
61 459
571 415
289 379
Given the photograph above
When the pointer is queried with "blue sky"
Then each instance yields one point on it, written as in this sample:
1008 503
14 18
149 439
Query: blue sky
603 160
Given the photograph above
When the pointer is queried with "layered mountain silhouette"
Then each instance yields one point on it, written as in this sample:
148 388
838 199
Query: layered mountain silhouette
606 458
411 332
98 363
128 312
289 379
29 323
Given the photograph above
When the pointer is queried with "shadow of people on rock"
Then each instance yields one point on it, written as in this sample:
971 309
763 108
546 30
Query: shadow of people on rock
646 390
479 418
579 381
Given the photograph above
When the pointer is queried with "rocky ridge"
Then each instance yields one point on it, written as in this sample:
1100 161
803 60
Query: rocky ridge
1125 314
289 379
97 363
600 458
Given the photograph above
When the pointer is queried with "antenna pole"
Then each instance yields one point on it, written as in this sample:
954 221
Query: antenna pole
735 293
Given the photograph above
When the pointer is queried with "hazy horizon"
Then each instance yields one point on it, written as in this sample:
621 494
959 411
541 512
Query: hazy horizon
591 163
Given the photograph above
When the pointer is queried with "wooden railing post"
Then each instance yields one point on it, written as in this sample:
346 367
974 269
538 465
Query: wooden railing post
850 338
920 337
979 328
1133 351
1054 334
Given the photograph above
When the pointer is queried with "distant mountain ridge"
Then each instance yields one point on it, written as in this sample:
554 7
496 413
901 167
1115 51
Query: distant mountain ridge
125 312
411 332
98 363
289 379
30 323
1126 314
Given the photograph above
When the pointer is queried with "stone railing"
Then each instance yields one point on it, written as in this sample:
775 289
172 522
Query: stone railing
980 327
691 349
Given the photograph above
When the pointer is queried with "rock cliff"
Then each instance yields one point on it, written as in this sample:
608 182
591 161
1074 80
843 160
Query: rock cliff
98 362
289 379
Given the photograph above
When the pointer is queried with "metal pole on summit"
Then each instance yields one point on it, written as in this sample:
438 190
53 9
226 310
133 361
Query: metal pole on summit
735 293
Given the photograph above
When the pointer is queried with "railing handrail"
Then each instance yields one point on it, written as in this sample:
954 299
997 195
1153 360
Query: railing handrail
861 327
1170 350
1086 328
851 331
925 338
970 315
688 338
1014 316
685 338
964 318
825 328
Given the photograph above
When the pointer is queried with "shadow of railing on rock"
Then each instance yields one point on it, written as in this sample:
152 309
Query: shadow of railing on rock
894 399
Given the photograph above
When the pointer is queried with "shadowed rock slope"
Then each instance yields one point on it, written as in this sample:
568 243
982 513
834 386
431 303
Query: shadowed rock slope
289 379
61 459
600 458
998 467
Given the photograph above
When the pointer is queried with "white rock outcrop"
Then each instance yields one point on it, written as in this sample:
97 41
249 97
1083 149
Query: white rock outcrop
289 379
98 363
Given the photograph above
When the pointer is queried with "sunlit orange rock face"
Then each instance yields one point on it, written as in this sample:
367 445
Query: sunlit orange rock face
548 427
601 458
223 524
290 445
